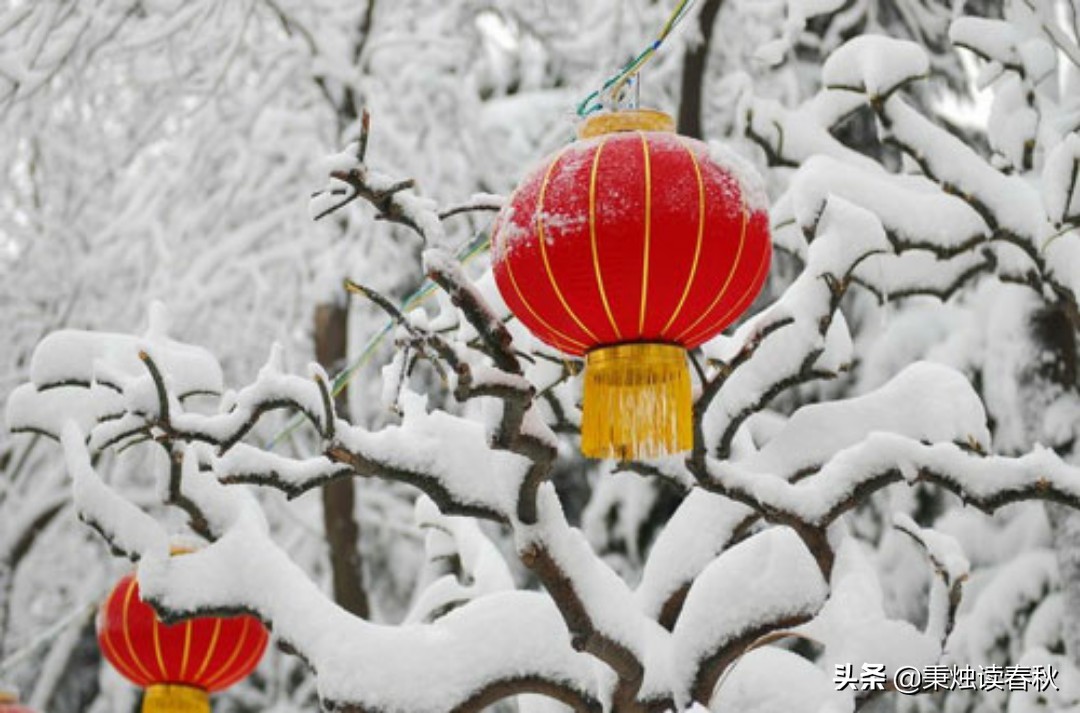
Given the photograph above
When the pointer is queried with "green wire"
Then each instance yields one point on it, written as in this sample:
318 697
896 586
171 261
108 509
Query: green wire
591 103
477 246
480 243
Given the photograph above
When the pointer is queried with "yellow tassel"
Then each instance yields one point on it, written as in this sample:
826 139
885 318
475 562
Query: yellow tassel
637 402
169 698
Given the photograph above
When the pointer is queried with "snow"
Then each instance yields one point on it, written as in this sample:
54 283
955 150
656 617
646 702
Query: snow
1004 44
1061 194
1063 260
990 38
803 132
243 462
620 502
1044 629
875 65
497 637
853 627
484 571
989 544
909 207
944 550
95 377
827 392
950 570
486 377
448 449
949 410
981 632
846 235
751 185
768 578
815 500
916 272
29 409
604 596
523 634
704 526
130 529
343 161
268 390
1013 122
797 12
439 260
805 687
69 356
1013 202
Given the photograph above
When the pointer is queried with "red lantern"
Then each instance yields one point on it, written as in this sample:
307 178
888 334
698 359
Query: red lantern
9 703
179 664
630 246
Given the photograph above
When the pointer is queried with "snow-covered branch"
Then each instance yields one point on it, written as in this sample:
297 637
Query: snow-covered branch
986 482
524 647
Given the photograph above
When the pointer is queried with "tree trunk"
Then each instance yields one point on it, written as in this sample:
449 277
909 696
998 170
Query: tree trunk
695 62
1055 333
339 497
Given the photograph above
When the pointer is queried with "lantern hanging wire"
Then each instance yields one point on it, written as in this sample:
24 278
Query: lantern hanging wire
612 88
477 246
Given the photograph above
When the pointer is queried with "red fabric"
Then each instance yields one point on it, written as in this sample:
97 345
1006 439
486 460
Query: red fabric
220 650
596 248
15 708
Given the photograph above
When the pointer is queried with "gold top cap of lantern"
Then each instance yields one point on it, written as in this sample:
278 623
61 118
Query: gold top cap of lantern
627 120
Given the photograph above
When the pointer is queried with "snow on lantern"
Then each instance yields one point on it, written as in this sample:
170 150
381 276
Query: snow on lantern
178 664
630 246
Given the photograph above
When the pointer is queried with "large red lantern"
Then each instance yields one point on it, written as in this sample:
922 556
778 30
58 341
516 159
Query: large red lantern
630 246
179 664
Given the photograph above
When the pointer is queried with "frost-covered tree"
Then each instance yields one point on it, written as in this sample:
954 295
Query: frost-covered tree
920 345
164 150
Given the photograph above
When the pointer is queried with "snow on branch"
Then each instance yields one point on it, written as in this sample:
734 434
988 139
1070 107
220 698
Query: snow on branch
791 136
862 66
949 411
351 179
803 343
524 646
853 627
594 601
244 463
446 456
1008 204
950 569
714 589
448 274
703 526
962 201
470 564
363 666
126 528
986 482
913 212
764 583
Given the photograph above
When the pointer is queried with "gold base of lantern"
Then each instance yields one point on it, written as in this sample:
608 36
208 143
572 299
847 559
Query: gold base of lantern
169 698
637 402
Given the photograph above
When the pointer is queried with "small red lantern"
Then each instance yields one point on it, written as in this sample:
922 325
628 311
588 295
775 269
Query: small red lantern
9 703
179 664
630 246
